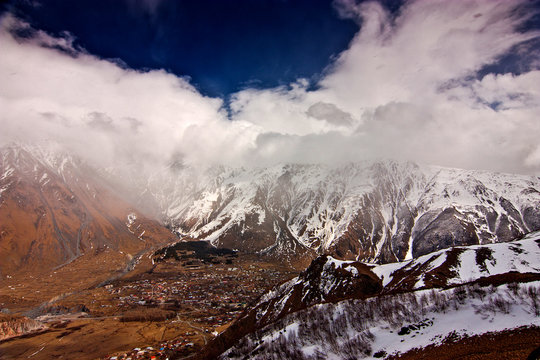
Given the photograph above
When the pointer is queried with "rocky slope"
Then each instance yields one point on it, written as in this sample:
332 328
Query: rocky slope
325 280
377 212
55 208
331 280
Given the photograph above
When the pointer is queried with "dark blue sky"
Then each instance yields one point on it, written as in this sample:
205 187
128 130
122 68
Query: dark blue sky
223 46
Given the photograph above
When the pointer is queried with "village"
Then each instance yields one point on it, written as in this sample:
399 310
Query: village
204 296
221 294
168 307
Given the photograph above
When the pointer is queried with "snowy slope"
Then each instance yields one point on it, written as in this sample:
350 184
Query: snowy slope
361 329
384 212
462 264
409 310
377 212
331 280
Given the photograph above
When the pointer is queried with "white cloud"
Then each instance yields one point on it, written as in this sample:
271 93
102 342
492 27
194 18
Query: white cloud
409 85
405 88
431 43
94 104
509 91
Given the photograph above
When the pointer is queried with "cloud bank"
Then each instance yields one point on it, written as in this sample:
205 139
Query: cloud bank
406 88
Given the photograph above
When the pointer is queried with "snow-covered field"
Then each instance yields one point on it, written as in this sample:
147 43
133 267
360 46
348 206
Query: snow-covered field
500 309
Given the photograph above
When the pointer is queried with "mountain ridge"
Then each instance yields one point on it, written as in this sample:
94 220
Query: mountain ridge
383 212
493 277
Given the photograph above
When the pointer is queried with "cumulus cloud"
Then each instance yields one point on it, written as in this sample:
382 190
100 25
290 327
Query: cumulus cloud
94 106
410 85
407 88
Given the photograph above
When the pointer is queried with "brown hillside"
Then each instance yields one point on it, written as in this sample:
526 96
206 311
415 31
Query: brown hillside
50 215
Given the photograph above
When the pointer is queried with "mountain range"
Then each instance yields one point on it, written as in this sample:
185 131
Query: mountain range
371 211
396 250
55 206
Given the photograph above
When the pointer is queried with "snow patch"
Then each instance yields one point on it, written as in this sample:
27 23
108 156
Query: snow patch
131 219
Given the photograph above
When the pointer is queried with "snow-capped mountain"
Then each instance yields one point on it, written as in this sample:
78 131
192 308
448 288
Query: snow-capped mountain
371 211
390 296
54 208
378 212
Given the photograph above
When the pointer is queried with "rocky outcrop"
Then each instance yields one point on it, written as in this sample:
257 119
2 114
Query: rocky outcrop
13 326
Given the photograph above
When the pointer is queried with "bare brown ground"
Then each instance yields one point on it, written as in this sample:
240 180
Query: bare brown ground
89 339
507 345
26 290
104 333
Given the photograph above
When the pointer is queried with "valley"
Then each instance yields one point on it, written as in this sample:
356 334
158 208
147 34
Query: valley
229 260
270 180
168 306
